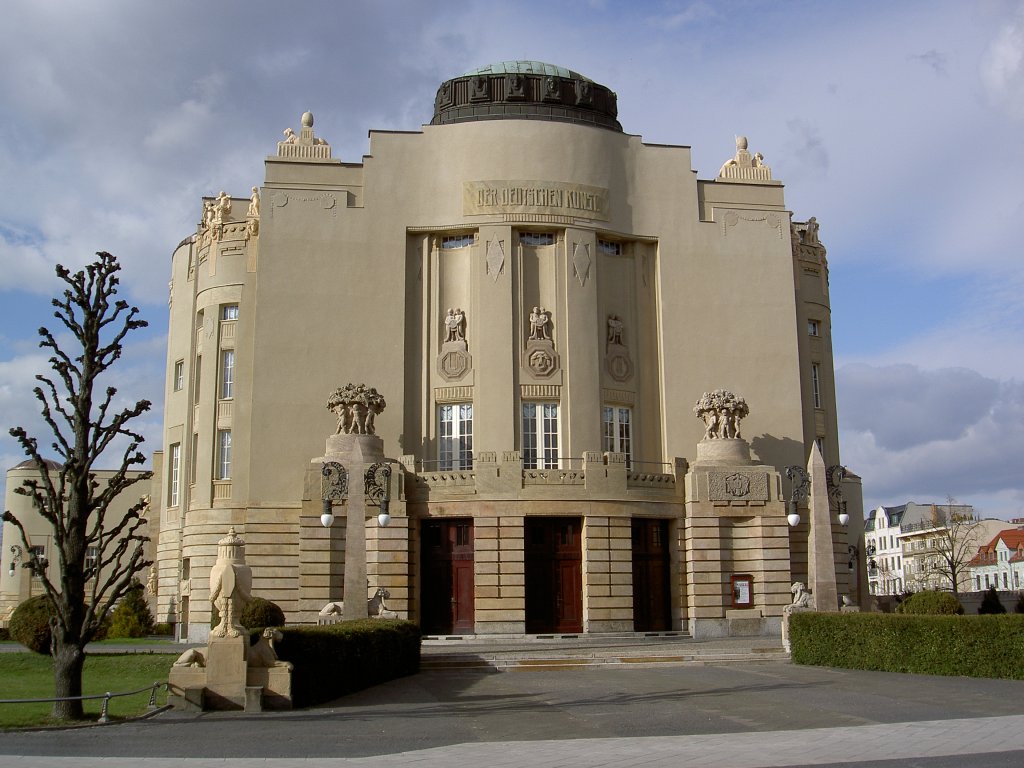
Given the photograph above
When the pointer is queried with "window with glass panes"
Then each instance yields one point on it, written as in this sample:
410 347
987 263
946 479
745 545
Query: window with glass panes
227 374
617 430
455 436
224 454
540 435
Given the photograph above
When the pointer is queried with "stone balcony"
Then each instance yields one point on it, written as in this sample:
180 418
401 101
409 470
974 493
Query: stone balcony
597 476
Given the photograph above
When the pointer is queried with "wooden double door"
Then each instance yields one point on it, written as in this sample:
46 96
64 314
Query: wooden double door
652 611
554 580
446 596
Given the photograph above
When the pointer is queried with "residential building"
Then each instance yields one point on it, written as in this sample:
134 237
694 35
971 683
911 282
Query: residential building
999 562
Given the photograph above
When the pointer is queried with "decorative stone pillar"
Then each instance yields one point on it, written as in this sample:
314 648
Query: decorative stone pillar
735 530
821 560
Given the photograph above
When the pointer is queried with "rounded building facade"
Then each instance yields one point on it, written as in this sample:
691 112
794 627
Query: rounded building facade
541 299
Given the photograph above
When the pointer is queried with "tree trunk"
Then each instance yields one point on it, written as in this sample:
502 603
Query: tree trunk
68 661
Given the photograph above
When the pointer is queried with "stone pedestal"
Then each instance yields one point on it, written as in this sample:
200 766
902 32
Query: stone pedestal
226 670
735 525
356 453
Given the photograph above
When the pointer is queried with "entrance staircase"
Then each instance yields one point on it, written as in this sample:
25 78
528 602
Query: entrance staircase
507 653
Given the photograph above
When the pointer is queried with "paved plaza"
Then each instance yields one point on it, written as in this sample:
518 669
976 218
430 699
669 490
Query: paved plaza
726 715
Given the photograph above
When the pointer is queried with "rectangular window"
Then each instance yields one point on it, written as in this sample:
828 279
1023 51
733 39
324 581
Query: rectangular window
229 312
92 560
816 384
456 241
813 328
174 475
38 554
455 436
540 435
227 374
536 239
609 247
179 374
192 460
195 385
224 454
617 430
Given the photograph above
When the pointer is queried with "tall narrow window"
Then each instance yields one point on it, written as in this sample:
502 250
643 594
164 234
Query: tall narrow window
192 459
229 312
179 374
816 384
813 328
224 454
540 435
617 430
198 379
227 374
455 436
174 472
92 560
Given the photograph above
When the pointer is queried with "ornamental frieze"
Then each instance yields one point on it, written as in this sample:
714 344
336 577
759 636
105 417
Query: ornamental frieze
737 486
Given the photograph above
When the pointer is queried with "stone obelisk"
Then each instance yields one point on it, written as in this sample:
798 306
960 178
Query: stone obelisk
821 561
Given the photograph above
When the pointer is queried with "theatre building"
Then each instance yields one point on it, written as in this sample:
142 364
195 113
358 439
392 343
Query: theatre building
543 301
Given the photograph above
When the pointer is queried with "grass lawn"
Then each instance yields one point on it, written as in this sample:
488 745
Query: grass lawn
30 676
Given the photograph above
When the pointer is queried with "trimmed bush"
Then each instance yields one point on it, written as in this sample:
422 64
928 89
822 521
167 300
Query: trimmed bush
163 628
333 660
990 603
259 613
5 634
931 604
968 646
30 624
131 617
1019 607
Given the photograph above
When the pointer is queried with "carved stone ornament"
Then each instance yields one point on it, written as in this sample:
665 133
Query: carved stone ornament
581 262
540 320
495 258
515 87
584 92
303 145
737 486
744 165
230 585
617 361
721 412
806 243
356 406
453 364
541 362
454 360
481 90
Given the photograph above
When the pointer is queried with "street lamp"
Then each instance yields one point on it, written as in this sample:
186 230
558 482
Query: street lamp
798 477
378 489
834 476
17 553
333 487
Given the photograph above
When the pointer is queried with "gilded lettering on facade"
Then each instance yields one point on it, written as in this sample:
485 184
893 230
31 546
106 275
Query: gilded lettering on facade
547 197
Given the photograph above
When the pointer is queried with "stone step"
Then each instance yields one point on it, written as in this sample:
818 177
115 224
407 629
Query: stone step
622 652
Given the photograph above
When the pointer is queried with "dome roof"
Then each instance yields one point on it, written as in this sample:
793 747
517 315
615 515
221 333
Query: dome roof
525 90
31 464
525 67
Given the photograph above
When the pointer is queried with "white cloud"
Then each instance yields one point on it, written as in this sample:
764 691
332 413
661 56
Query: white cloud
1002 68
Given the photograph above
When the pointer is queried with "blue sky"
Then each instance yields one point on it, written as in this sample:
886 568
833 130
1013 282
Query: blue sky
896 124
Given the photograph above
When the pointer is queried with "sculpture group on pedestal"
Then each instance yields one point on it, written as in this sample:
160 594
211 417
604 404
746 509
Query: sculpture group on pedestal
356 406
721 412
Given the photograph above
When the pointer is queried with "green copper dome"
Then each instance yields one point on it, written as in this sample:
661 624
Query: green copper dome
526 68
525 90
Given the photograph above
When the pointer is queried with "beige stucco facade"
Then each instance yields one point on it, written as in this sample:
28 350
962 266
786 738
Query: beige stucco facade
600 289
17 580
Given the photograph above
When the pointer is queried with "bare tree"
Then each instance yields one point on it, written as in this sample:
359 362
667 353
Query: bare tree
956 533
69 497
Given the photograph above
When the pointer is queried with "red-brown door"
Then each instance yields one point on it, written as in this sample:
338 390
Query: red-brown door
554 580
447 576
652 610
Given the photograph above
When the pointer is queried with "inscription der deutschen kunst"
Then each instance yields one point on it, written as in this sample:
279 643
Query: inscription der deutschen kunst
551 197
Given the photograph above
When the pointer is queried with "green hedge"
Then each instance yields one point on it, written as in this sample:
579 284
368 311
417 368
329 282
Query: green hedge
331 661
969 646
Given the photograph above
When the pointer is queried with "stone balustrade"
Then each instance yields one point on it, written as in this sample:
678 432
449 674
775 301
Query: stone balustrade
502 474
